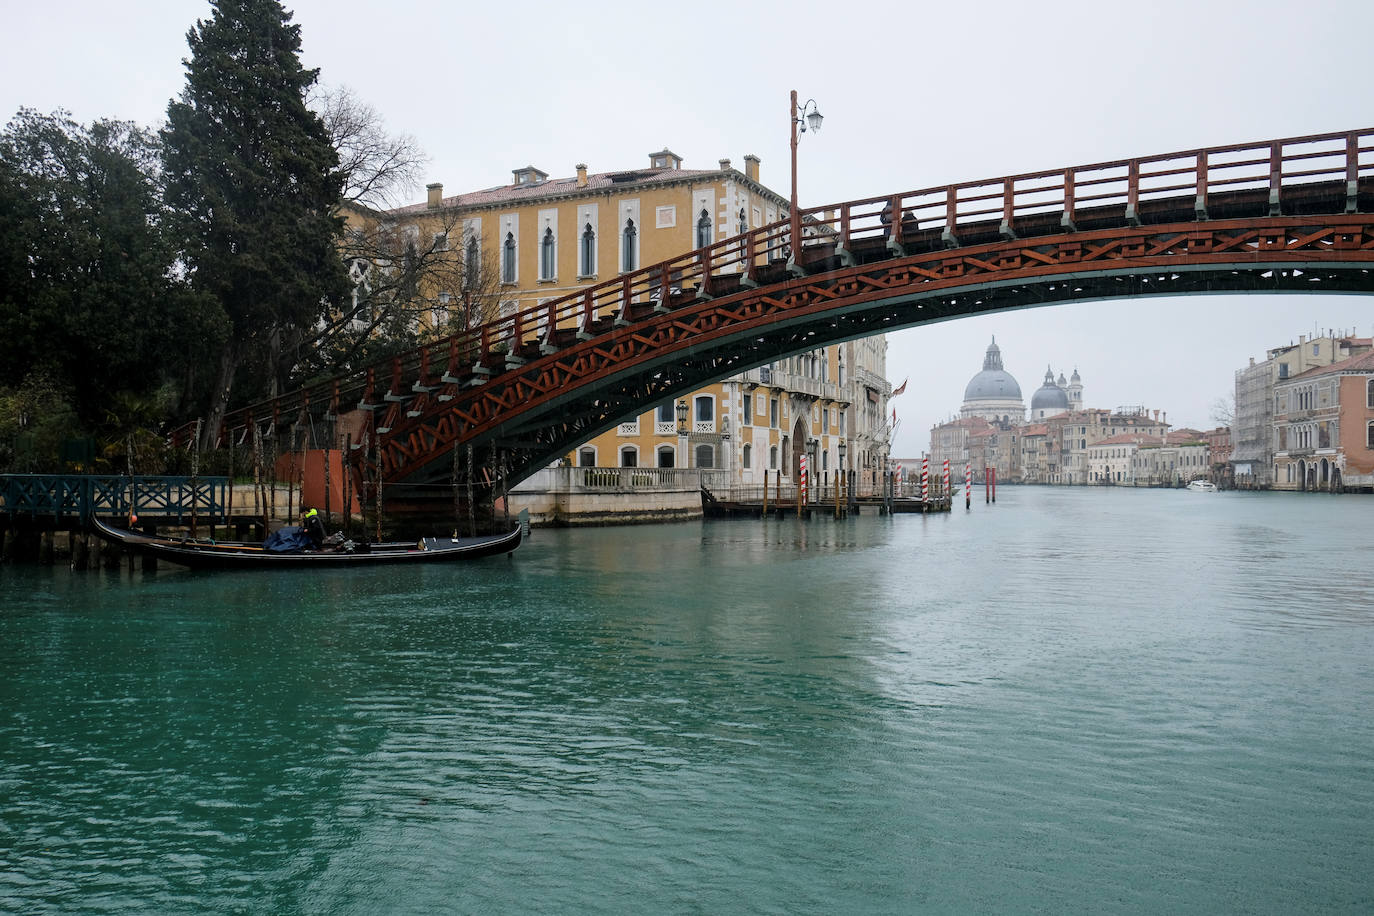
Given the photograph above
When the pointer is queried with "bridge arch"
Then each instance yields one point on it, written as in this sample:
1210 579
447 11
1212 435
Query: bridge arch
1282 216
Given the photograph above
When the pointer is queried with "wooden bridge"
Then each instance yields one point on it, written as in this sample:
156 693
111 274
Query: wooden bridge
490 405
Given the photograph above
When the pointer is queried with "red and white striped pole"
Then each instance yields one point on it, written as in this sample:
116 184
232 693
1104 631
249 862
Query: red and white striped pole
968 484
946 480
925 478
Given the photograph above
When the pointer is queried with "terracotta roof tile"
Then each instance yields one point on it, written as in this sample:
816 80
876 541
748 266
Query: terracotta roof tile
556 187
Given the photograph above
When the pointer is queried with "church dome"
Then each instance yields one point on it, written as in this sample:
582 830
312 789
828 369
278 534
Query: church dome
994 382
1050 396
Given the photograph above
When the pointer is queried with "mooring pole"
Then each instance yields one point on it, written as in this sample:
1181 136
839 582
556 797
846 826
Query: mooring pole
472 510
195 476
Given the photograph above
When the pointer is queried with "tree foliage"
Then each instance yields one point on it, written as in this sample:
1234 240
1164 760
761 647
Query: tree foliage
90 301
253 181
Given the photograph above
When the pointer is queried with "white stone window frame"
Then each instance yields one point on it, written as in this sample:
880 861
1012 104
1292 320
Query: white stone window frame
700 424
628 212
587 216
510 229
548 232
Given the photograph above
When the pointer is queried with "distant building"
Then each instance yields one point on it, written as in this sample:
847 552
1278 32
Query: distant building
1219 455
1324 427
1060 445
993 394
1054 397
1252 429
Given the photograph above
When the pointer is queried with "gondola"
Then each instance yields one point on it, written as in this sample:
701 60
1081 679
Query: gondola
205 553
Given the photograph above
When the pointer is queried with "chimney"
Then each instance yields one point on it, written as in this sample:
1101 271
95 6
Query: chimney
436 195
724 165
751 167
582 174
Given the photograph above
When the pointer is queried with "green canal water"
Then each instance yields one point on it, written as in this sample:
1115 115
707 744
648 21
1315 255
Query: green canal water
1073 701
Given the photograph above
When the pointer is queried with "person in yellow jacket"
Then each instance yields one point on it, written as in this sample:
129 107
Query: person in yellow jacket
314 527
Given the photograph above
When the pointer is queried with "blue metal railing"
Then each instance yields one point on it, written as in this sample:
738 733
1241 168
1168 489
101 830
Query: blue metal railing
78 496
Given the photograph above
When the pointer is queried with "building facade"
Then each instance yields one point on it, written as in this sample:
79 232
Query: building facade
548 237
1253 425
1324 427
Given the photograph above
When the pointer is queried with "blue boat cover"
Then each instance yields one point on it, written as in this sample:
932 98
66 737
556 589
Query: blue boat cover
285 540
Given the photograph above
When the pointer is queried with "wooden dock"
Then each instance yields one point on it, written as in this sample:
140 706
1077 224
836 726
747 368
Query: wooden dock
783 502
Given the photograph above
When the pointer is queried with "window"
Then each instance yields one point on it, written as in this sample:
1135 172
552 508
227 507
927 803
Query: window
667 456
748 408
665 412
546 256
704 230
1369 435
706 409
748 458
1369 392
706 456
629 457
586 458
629 244
508 259
773 414
773 457
587 253
743 222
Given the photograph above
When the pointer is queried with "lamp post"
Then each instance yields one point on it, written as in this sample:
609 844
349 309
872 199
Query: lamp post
811 446
682 433
810 117
843 482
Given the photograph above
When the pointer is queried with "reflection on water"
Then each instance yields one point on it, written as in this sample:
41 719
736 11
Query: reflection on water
1116 701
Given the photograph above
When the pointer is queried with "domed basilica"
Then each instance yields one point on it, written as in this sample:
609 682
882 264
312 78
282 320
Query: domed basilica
994 395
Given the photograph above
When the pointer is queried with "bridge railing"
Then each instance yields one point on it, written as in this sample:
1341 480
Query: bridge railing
79 496
1196 184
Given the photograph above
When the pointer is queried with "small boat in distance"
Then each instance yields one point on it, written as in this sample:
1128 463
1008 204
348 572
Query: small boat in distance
1202 486
203 553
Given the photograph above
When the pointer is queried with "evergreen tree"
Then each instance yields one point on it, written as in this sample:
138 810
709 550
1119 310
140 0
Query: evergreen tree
253 179
88 294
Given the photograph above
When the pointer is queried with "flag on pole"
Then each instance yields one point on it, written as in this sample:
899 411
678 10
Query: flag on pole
900 388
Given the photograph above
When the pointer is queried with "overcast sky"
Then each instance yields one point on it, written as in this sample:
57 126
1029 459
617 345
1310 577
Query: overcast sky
914 95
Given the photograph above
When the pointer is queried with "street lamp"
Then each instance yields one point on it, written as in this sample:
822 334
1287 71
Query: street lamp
810 117
843 480
682 432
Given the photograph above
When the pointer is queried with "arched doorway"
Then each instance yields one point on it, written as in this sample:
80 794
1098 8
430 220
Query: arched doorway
799 436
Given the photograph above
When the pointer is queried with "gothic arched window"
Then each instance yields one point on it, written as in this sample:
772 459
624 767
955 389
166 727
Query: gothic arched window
704 230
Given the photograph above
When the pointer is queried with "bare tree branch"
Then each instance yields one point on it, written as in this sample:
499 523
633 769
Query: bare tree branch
381 170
